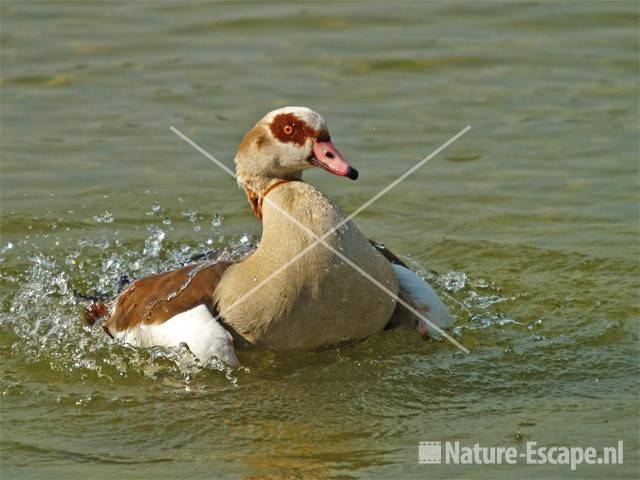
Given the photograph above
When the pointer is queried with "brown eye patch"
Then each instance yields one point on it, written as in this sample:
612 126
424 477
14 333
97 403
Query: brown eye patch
287 127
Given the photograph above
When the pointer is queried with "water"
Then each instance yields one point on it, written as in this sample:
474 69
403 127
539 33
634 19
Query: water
528 227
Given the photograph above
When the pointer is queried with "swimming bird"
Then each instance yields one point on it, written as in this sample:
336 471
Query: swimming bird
261 300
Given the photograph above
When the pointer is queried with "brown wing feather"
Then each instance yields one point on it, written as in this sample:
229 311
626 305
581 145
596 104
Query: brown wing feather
156 299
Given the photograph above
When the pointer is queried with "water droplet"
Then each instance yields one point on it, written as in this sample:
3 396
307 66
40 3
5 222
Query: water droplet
534 324
166 221
216 221
106 217
191 214
155 207
153 244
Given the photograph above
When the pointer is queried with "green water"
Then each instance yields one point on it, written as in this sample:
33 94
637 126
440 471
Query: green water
528 225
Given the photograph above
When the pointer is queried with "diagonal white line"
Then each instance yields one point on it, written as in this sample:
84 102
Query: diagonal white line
203 151
407 173
341 223
321 239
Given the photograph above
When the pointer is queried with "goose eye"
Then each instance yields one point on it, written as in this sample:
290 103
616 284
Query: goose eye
288 129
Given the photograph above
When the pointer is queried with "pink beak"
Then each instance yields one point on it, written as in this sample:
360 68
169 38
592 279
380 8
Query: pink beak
327 156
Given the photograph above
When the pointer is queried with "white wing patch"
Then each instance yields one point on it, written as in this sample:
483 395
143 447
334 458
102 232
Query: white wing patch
425 299
204 336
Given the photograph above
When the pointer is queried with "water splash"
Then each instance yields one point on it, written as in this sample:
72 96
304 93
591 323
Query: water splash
453 281
474 302
44 315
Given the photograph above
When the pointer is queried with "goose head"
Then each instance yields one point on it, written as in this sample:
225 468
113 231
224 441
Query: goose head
283 144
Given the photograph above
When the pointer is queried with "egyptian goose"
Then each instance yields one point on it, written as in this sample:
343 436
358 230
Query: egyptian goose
315 302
